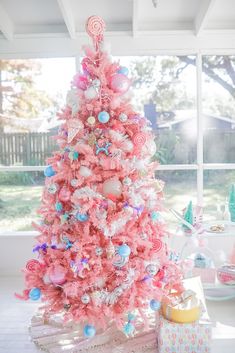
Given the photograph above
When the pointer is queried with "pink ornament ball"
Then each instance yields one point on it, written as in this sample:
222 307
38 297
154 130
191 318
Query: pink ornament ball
64 194
57 275
80 81
112 186
120 83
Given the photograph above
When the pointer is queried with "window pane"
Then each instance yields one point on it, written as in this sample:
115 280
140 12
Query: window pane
217 184
164 90
180 189
219 108
20 194
31 93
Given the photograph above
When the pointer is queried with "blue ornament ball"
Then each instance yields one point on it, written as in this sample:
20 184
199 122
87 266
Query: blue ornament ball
103 117
124 250
58 206
129 328
89 331
35 294
155 215
155 305
123 70
49 171
82 217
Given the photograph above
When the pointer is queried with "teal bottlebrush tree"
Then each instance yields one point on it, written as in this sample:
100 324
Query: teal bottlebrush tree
231 203
101 251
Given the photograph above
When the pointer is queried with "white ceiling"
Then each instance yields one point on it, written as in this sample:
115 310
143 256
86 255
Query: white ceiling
24 19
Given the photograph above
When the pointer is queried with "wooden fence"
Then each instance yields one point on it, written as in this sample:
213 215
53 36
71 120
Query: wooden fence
25 148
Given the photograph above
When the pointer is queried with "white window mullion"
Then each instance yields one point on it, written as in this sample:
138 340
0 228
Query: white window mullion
199 131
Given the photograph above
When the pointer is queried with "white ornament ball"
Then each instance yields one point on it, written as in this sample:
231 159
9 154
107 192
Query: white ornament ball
85 298
152 269
123 117
90 93
112 186
85 171
91 120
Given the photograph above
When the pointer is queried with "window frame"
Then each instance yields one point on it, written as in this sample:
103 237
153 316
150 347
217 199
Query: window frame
199 166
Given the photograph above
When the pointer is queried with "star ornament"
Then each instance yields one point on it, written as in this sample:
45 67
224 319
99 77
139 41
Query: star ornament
74 126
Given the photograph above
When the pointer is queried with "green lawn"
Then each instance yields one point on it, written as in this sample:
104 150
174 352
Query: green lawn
18 203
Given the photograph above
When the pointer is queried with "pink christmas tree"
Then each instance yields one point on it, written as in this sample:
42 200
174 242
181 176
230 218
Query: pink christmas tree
101 252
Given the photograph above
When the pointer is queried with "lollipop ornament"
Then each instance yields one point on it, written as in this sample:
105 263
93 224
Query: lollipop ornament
95 28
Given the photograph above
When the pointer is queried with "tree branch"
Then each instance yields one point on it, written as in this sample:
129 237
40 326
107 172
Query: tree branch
212 74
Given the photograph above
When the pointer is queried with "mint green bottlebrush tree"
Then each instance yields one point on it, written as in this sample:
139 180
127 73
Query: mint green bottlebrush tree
188 217
231 203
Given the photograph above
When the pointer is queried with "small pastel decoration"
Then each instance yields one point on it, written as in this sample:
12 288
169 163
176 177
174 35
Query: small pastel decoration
226 274
99 251
155 216
96 83
104 148
57 274
89 331
49 171
74 126
73 155
58 206
103 117
120 83
82 217
72 101
95 28
112 186
52 188
157 245
85 172
35 294
152 269
202 261
85 299
90 93
124 250
127 181
123 70
80 81
91 120
74 183
155 305
139 139
64 194
64 217
33 265
129 328
123 117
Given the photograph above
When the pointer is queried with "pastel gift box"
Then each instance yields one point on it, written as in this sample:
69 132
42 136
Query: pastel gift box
183 338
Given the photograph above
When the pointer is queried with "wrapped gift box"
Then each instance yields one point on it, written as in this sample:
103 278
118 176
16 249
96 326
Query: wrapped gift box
186 337
183 338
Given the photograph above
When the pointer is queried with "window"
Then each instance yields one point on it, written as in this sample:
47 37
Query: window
31 93
190 100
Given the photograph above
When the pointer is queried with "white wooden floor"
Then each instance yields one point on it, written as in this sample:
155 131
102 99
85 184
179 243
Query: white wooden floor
15 316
